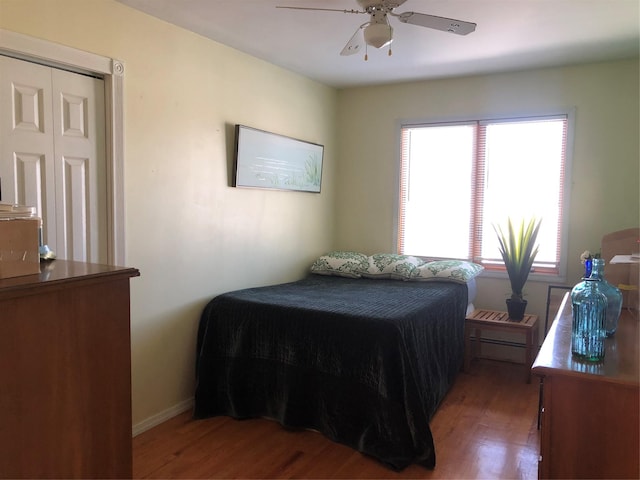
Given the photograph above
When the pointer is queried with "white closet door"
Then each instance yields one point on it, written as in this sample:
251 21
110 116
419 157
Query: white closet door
53 154
26 140
80 169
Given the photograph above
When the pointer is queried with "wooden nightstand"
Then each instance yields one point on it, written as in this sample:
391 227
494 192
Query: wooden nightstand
499 321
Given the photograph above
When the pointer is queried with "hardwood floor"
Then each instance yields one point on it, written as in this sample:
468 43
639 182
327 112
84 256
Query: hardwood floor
486 427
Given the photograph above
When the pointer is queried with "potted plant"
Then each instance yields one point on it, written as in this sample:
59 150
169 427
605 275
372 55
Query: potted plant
518 249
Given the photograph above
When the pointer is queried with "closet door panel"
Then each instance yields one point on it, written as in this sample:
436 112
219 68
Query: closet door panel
80 166
27 140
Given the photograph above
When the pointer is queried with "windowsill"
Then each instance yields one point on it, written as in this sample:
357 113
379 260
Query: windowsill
533 277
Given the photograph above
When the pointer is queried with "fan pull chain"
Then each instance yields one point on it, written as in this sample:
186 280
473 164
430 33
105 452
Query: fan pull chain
366 52
390 51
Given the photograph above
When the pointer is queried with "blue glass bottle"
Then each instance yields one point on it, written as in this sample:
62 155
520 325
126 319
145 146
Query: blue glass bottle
589 309
613 294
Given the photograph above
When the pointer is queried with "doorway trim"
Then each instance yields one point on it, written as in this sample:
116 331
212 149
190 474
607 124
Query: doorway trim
33 49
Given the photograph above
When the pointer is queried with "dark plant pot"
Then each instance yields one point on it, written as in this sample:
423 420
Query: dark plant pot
516 309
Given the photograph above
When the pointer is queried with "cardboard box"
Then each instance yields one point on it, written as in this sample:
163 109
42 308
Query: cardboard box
19 252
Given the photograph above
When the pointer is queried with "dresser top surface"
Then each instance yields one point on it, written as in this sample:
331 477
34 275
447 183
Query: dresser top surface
621 361
63 271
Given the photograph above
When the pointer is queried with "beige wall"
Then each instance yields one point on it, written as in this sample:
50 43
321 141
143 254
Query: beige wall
190 234
604 179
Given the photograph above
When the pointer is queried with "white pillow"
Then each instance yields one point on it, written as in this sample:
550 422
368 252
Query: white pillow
391 265
458 271
342 264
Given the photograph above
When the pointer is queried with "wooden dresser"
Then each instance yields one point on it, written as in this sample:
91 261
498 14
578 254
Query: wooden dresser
65 373
590 412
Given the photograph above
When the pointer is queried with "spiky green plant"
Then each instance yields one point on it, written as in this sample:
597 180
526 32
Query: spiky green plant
518 249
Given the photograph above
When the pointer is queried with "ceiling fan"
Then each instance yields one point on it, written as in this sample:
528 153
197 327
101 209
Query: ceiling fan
378 33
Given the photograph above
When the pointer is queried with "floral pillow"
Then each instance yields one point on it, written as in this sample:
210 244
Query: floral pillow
342 264
448 270
391 265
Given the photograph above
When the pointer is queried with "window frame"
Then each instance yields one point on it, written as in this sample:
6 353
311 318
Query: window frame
498 270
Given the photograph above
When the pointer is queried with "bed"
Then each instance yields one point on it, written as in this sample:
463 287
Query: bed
364 361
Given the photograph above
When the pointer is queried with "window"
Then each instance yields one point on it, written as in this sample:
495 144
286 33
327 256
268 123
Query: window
460 179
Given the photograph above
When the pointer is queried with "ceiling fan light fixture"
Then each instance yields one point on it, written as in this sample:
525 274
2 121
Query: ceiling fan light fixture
378 35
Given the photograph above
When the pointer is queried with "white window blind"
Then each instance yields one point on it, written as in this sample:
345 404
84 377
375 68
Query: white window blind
460 179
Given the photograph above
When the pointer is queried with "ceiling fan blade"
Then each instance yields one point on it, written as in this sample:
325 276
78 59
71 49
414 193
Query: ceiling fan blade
356 43
451 25
320 9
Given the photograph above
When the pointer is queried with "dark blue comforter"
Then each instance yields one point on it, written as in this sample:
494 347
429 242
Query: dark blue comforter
366 362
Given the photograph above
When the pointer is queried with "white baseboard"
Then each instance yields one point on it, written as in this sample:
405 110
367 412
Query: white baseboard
163 416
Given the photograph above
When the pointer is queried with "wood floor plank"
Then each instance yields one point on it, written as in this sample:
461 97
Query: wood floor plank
486 427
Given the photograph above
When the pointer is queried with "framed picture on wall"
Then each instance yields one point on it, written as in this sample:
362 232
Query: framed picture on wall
269 160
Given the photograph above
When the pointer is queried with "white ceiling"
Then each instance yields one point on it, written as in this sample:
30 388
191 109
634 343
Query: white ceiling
511 35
